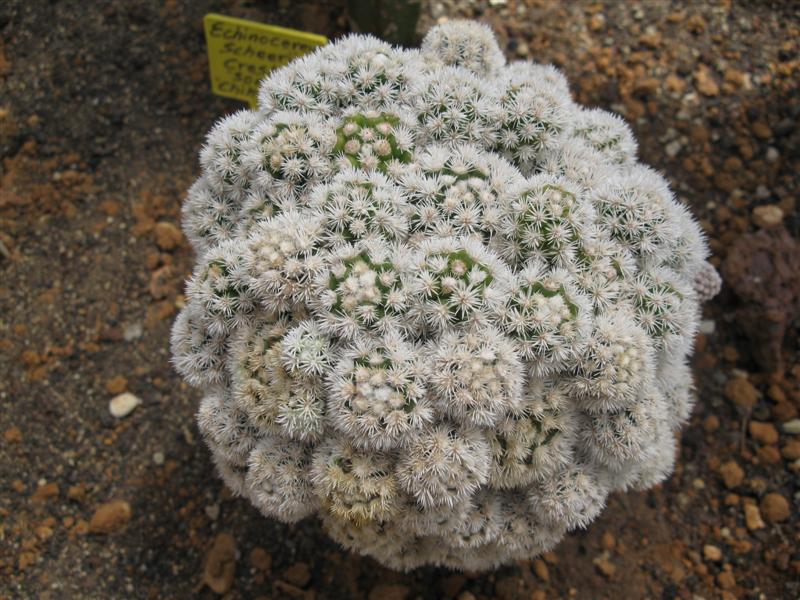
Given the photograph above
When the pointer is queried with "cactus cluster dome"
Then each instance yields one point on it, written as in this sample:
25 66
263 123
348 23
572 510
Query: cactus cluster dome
437 304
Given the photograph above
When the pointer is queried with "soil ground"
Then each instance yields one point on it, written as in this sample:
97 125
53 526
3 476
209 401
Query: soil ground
103 108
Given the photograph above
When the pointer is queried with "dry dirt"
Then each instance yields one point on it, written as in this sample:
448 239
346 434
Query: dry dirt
103 108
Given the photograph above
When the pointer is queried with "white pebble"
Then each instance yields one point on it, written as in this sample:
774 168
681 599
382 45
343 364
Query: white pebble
158 458
707 326
673 148
132 332
792 426
123 405
772 155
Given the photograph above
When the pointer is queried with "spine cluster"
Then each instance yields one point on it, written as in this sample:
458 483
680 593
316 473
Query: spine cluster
436 302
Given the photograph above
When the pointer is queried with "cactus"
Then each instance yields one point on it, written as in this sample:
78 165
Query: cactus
436 303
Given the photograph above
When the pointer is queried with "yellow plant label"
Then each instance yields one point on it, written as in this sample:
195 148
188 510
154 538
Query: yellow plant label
241 53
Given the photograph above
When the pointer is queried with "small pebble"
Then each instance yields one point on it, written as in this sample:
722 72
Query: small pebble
220 565
673 148
767 215
116 385
726 580
772 155
298 574
732 474
711 423
762 130
13 435
712 553
541 570
261 559
764 433
752 517
123 405
158 458
741 392
608 541
791 451
132 332
604 565
792 427
707 326
46 491
212 511
110 517
775 508
167 235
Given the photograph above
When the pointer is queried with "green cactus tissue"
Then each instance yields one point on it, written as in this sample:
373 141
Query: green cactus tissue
436 303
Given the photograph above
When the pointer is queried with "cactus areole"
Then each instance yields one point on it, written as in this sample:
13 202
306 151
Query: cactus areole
437 304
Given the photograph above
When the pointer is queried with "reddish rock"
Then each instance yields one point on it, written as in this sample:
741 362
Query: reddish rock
761 130
741 392
752 517
45 492
726 580
77 493
764 433
696 24
732 474
162 283
298 574
769 455
608 541
705 82
604 565
13 435
712 553
261 559
167 236
775 508
110 517
220 565
541 570
784 411
711 423
116 385
791 451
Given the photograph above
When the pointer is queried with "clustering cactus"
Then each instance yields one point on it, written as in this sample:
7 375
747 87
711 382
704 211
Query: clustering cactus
436 303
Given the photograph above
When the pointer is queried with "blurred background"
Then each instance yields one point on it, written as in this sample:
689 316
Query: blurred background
103 109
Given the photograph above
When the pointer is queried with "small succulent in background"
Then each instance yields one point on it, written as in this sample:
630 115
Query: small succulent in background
437 303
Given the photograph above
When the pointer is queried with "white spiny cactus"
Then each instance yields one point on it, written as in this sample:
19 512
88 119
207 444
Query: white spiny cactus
475 375
436 303
278 479
471 45
608 134
377 393
446 464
